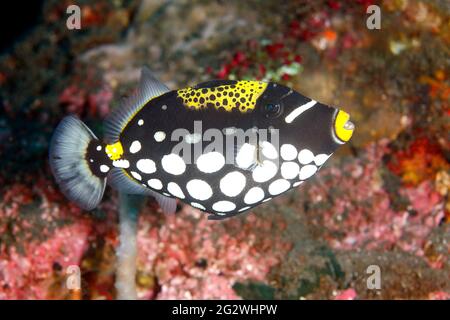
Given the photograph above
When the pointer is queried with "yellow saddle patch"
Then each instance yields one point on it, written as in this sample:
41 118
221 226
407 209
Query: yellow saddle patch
241 95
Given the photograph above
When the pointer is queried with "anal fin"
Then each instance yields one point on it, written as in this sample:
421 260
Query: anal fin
119 180
168 205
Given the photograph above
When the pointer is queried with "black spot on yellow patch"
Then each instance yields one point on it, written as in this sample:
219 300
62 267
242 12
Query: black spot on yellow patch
218 96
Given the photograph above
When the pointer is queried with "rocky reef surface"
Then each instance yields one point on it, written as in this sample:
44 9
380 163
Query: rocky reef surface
383 199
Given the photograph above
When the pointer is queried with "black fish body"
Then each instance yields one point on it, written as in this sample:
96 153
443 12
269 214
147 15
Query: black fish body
222 146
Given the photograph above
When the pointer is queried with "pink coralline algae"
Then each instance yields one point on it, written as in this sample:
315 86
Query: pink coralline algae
362 215
194 258
29 275
349 294
185 255
439 295
37 246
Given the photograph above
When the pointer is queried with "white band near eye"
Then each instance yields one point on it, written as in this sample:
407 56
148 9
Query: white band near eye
299 110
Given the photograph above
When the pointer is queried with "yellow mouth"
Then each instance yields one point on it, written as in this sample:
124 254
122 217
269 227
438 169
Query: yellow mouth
343 127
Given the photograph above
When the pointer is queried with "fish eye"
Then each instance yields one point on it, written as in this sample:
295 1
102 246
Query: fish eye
272 110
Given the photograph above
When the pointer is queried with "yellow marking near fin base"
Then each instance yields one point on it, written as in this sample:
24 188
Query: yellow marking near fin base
114 151
241 95
341 132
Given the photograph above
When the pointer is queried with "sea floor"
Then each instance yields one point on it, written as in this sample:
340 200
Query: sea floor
380 206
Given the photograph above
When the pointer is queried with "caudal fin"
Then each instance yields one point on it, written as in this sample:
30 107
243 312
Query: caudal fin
69 165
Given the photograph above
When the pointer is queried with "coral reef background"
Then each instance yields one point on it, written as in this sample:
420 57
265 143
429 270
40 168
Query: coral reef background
382 200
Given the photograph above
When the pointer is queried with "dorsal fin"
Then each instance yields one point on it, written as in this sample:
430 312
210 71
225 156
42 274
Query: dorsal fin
149 88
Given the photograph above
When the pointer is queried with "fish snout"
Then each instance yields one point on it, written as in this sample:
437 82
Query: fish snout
343 127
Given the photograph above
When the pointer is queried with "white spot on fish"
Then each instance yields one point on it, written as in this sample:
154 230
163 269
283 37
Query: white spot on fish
121 164
99 148
224 206
254 195
91 160
268 150
289 170
140 122
246 156
321 158
305 156
193 138
104 168
229 130
175 190
232 183
173 164
210 162
278 186
135 146
199 189
155 184
297 183
288 152
197 205
159 136
244 209
146 165
136 175
307 171
265 172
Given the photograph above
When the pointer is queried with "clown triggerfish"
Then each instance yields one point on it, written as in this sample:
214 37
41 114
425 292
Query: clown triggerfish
222 146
